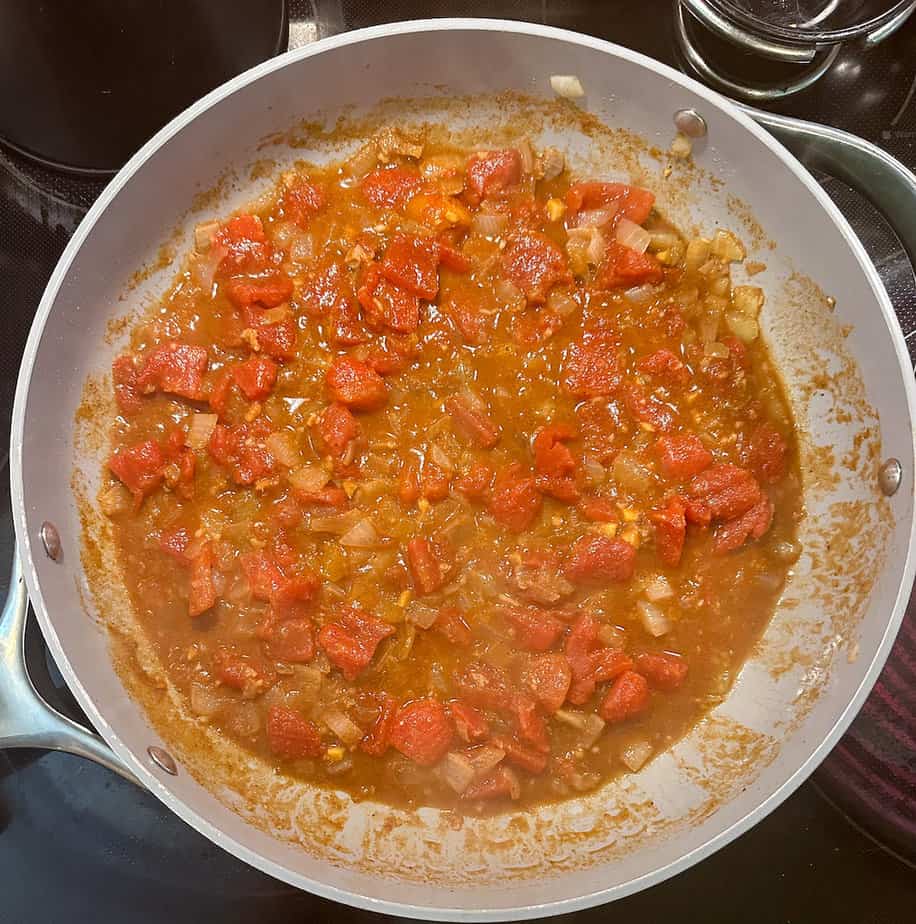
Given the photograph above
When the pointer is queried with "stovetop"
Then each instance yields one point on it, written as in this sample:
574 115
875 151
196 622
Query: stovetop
77 843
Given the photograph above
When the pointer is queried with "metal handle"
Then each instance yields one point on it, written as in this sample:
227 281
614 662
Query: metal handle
880 178
776 51
26 720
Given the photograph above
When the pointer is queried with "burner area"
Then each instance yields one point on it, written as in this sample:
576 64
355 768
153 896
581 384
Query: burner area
80 844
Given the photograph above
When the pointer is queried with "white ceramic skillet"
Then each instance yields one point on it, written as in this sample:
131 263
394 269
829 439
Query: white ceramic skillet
849 382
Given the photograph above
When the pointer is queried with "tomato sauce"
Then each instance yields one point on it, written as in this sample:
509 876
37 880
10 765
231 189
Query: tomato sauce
445 478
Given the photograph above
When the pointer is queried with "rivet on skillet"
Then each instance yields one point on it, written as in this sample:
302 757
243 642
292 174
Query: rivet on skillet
162 759
890 475
691 123
50 540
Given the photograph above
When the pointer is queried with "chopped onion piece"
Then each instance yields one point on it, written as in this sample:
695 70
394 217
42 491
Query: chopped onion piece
309 478
567 86
595 473
360 163
658 588
654 621
727 247
743 326
634 755
630 474
632 235
485 757
597 218
638 293
748 300
203 235
201 429
204 267
302 248
489 224
275 315
552 163
441 458
207 700
571 717
420 615
282 446
342 725
697 254
506 292
244 719
457 771
594 725
526 153
611 636
361 535
115 499
308 680
562 303
596 247
336 524
787 551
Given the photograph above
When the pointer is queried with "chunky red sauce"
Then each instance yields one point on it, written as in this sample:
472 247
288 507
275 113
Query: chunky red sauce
445 478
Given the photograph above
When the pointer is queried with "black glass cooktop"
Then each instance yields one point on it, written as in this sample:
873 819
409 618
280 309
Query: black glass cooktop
78 844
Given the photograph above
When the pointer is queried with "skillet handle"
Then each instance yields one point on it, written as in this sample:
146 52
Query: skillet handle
880 178
26 720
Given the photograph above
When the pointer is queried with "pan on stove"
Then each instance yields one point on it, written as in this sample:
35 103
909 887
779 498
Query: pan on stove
849 382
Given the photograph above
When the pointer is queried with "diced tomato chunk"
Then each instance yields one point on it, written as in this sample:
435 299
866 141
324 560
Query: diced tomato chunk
471 418
176 368
296 591
277 340
471 726
609 663
392 187
376 741
682 456
422 731
664 671
434 485
548 677
292 640
492 171
244 244
409 483
533 629
256 377
475 482
627 698
175 543
139 468
469 310
451 623
242 450
666 366
356 385
623 268
330 495
412 263
530 723
537 578
649 409
597 559
264 576
392 354
351 640
519 755
302 200
452 258
290 735
124 376
535 263
591 368
599 509
202 595
722 492
248 675
499 784
428 571
386 305
515 500
484 686
753 524
766 453
670 531
580 643
337 428
535 326
551 454
632 202
268 291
